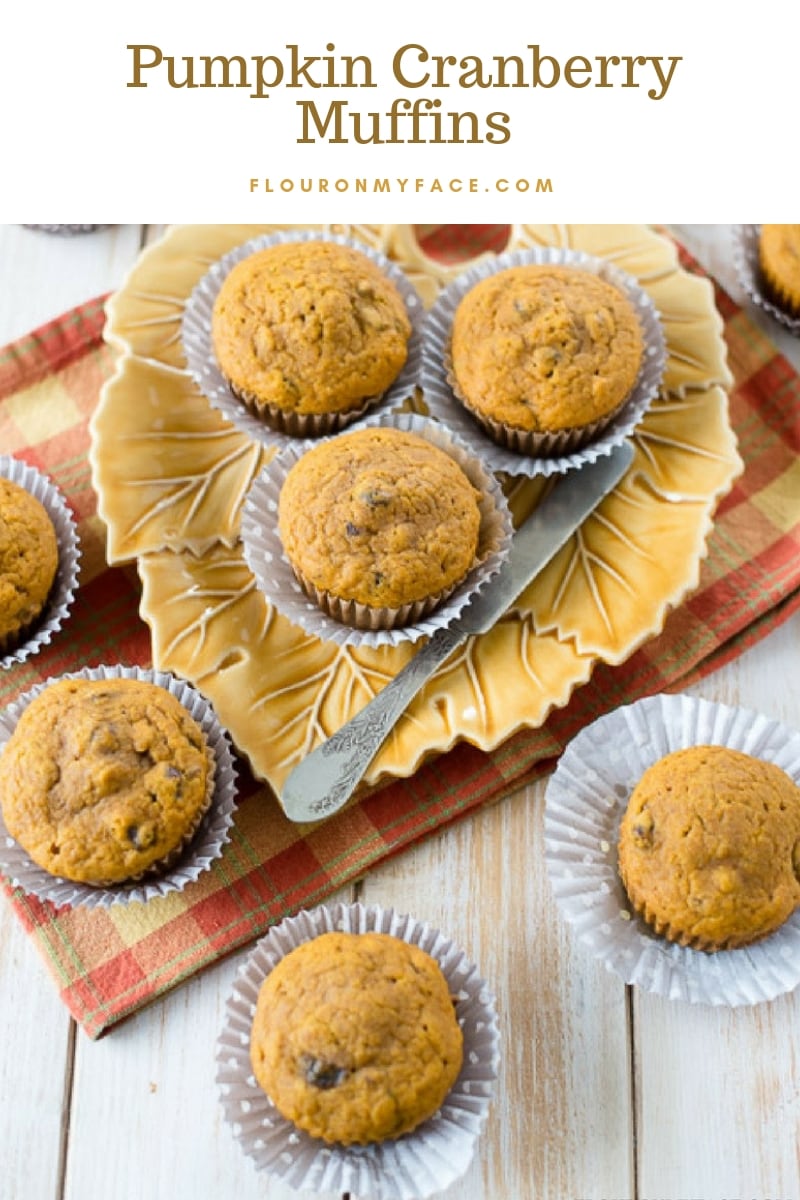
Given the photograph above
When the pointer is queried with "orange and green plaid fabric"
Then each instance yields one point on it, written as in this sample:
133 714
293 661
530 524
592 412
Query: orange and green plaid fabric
107 964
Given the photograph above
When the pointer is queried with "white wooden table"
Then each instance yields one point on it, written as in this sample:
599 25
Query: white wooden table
604 1092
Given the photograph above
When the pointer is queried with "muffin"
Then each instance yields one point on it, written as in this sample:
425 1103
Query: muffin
308 334
28 562
355 1037
105 781
544 356
379 525
779 259
709 847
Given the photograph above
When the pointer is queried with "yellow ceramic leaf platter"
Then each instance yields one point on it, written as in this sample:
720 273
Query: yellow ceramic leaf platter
171 476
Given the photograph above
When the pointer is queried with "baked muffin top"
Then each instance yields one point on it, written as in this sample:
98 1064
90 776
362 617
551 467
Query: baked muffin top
379 516
779 256
309 327
104 779
545 348
709 847
28 560
355 1037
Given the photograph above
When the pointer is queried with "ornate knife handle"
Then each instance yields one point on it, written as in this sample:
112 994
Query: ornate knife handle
326 779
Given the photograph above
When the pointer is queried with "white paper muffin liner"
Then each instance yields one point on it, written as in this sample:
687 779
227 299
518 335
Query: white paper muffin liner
65 583
586 798
263 548
412 1167
444 406
745 257
202 364
206 843
66 230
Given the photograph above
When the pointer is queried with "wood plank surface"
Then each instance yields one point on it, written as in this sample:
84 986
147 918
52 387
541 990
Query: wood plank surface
561 1125
603 1092
718 1091
147 1092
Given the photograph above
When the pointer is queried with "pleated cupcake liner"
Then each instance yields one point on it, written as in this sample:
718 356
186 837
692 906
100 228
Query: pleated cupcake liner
66 230
288 427
62 594
526 453
585 800
302 425
420 1163
186 864
748 269
275 577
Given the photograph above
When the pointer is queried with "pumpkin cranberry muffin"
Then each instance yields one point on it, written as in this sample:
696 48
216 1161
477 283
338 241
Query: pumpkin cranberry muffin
104 781
379 518
779 257
309 329
709 847
28 561
355 1037
541 351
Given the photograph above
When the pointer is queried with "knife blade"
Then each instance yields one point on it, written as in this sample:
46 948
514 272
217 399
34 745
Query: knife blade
325 779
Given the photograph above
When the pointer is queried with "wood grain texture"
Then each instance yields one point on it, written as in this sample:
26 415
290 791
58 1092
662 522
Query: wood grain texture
561 1122
147 1095
713 1097
46 274
35 1067
718 1101
43 275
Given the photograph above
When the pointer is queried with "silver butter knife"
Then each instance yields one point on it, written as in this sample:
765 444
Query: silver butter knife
326 778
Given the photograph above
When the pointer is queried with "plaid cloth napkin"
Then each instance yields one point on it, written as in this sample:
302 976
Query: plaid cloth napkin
107 964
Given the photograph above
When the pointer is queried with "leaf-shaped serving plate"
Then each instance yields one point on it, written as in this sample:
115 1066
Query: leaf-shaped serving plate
171 476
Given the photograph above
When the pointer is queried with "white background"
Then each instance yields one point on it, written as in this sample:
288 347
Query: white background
78 144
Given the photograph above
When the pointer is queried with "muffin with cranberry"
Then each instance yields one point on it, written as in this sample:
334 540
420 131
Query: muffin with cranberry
29 558
355 1037
309 334
709 847
379 525
544 356
105 780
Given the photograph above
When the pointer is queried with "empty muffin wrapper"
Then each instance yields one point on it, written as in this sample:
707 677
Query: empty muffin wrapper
202 364
263 548
540 454
586 798
62 593
745 256
426 1160
206 842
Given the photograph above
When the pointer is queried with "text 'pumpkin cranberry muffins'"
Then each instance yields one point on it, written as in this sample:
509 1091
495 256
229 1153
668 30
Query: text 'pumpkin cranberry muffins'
309 334
709 847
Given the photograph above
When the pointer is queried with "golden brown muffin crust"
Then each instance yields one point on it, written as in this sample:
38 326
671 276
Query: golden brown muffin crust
310 327
779 255
355 1037
709 847
379 516
545 348
28 561
103 779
